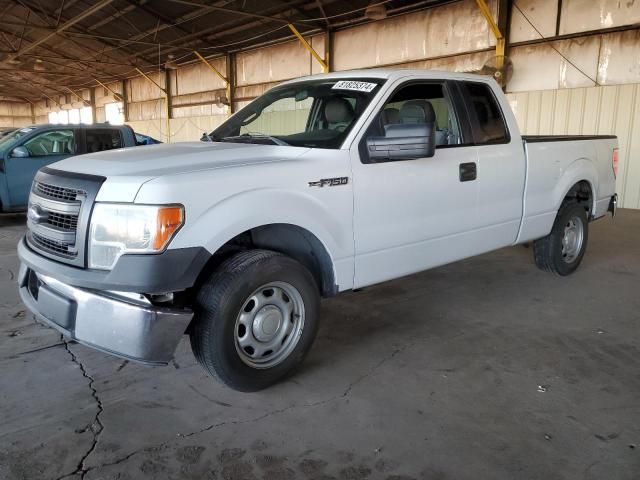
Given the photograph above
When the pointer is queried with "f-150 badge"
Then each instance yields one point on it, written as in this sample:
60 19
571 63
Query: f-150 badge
330 182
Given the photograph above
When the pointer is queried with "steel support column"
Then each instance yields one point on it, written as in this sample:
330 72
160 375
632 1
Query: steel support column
167 102
92 95
231 85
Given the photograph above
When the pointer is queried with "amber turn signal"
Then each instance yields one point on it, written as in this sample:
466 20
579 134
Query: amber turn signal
170 219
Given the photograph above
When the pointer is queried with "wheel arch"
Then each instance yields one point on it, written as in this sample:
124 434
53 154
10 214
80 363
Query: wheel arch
578 182
582 193
295 241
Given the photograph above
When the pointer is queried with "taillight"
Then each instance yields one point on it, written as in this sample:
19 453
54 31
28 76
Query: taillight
614 162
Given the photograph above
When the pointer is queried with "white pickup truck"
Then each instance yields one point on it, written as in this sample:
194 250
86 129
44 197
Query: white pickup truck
323 184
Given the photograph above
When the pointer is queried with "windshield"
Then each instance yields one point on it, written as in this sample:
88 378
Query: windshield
21 132
316 113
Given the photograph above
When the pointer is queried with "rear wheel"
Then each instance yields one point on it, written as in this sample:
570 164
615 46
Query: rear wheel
562 250
256 318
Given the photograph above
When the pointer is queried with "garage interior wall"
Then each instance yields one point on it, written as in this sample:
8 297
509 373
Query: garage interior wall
576 70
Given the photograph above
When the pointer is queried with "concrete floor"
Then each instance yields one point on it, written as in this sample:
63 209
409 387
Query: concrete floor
485 369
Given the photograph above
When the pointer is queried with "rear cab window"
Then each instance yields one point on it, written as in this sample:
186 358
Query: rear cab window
487 121
100 139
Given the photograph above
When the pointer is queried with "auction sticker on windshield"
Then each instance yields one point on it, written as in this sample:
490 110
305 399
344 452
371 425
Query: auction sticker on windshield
354 85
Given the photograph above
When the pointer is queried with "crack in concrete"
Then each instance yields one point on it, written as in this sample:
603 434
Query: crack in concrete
35 350
96 427
279 411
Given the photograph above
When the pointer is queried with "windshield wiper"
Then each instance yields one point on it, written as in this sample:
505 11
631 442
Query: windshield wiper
257 136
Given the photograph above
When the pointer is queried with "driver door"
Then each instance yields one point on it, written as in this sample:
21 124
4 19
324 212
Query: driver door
43 148
413 214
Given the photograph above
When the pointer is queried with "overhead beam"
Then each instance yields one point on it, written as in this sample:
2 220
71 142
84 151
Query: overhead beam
84 46
323 62
69 23
38 72
83 60
232 11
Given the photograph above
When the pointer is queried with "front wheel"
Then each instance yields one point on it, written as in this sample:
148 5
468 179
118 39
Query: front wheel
256 318
562 250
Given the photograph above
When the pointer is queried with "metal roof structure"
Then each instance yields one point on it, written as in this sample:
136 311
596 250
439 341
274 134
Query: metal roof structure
50 47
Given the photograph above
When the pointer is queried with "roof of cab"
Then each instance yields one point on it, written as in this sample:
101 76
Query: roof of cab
73 125
392 74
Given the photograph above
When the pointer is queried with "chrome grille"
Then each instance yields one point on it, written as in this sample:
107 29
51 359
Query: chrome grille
59 248
58 193
58 214
68 223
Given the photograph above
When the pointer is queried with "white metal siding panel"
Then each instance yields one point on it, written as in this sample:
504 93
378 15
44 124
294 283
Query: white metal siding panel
448 30
587 111
584 15
542 13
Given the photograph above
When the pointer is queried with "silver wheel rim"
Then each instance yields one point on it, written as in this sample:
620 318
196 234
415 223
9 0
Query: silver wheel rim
572 239
269 325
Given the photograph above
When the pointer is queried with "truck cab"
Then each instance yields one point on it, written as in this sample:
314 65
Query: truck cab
25 150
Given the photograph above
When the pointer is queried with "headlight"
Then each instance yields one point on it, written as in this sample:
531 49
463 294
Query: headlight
117 229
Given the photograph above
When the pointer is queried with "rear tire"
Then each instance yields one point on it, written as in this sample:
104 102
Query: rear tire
562 250
255 319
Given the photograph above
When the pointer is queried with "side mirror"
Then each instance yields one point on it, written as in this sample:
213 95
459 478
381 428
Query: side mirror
403 142
205 137
20 152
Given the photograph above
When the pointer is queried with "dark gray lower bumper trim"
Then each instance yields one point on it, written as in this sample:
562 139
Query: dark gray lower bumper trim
170 271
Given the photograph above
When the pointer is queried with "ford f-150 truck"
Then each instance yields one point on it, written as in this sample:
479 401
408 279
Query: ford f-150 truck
323 184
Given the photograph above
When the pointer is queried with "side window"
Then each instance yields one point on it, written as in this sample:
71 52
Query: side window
414 103
488 125
103 139
54 142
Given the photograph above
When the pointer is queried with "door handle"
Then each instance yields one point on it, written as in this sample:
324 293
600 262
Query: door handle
468 172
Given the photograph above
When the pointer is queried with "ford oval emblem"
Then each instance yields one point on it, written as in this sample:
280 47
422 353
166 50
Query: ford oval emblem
36 214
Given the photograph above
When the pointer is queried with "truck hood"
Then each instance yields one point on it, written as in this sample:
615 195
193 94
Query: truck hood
147 162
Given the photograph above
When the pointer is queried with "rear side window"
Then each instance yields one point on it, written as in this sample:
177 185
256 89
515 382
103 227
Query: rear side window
487 121
102 139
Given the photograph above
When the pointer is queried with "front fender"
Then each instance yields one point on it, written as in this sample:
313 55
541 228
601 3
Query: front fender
246 210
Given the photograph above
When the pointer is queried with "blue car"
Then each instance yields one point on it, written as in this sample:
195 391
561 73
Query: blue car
145 139
24 151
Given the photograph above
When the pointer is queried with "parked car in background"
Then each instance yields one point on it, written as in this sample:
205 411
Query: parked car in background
321 185
142 139
25 150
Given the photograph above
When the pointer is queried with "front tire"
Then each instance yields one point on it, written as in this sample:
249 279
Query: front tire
562 250
256 318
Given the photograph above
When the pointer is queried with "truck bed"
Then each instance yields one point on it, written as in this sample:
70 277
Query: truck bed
564 138
554 164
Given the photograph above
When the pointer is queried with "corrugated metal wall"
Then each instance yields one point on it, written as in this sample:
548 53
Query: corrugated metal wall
15 114
586 111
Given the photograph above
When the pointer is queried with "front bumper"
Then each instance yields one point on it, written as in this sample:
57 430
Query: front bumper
114 323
